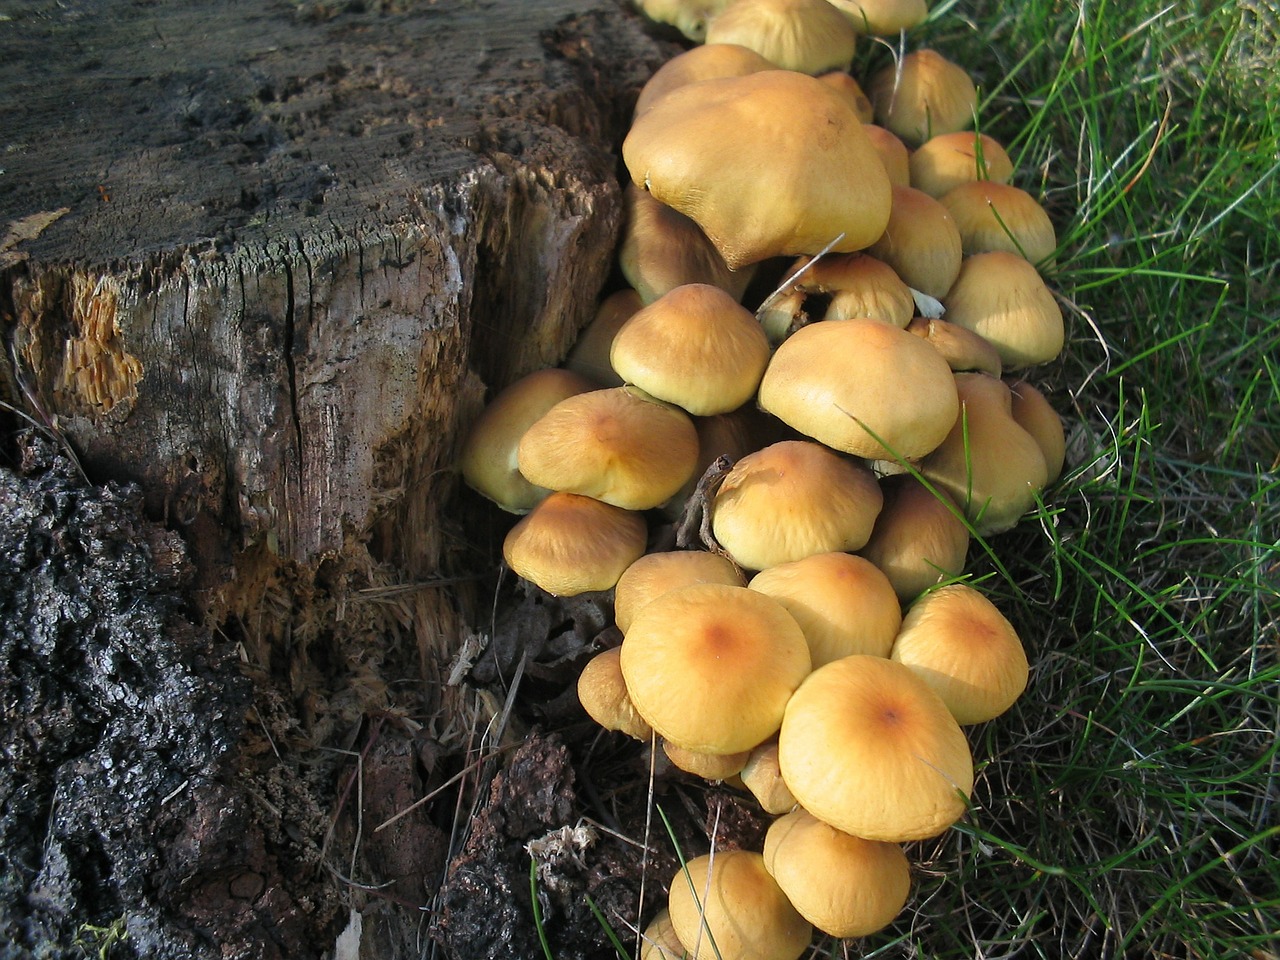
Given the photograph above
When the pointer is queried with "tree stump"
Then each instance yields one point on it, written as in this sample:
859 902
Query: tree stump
261 264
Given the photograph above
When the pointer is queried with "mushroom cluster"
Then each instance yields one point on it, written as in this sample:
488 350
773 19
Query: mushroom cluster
828 446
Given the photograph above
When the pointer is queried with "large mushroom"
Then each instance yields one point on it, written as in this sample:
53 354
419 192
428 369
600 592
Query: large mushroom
768 164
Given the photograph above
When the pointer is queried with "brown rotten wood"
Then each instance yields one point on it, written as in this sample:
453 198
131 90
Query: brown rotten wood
266 260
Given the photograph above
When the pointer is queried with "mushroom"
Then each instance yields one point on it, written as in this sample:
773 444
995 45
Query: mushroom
991 467
844 885
618 445
657 573
763 777
900 405
708 766
694 346
948 160
711 62
851 285
922 96
867 747
590 354
690 17
920 242
964 350
488 461
918 538
569 544
852 91
790 500
1000 297
662 249
710 667
1035 415
725 905
998 216
843 603
893 153
810 36
958 643
659 940
710 149
883 18
603 695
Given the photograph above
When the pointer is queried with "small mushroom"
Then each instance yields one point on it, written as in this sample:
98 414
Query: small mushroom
918 538
618 445
867 747
657 573
569 544
922 96
1000 297
603 695
710 667
999 216
920 242
883 18
809 36
946 161
958 643
900 405
696 347
790 500
843 603
844 885
725 905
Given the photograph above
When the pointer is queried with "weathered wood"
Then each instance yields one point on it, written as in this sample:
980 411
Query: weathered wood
265 259
301 241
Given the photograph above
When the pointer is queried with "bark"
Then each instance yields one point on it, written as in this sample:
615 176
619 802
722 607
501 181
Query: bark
260 266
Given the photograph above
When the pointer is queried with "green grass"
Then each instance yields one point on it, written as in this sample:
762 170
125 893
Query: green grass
1127 805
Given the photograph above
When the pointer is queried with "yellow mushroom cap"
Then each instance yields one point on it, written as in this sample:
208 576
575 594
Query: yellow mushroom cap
570 544
690 17
711 667
618 445
883 18
708 62
918 539
924 96
843 604
844 885
603 695
707 148
956 640
893 154
851 90
762 776
1035 415
659 940
921 242
696 347
1000 297
991 466
900 404
964 350
999 216
805 35
946 161
867 747
657 573
662 249
729 898
708 766
488 461
790 500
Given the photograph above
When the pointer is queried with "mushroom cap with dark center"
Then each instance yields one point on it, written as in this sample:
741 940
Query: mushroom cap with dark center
867 747
711 667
